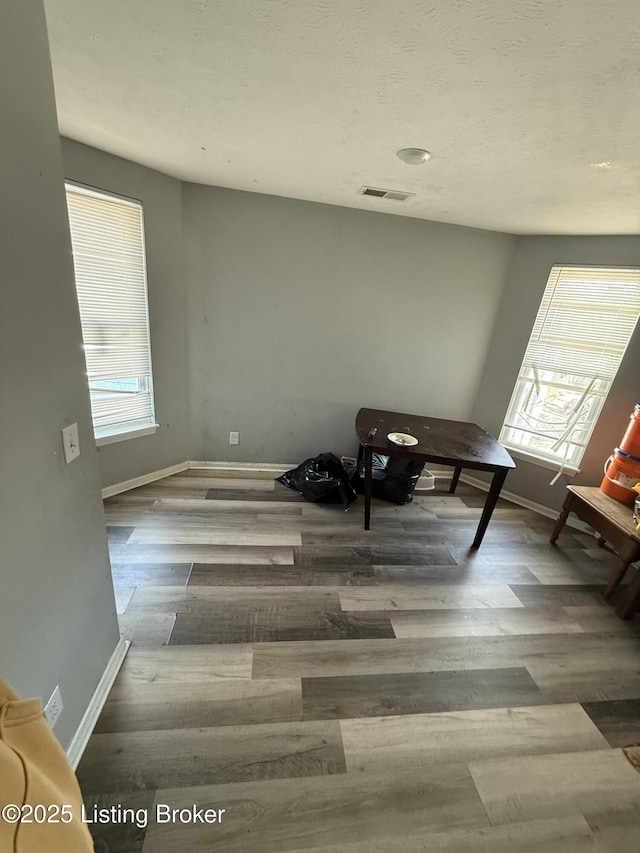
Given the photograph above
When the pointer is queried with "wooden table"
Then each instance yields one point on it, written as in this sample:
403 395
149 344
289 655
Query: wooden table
455 443
614 522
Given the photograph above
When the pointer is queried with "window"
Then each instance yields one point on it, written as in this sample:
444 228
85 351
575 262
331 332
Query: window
107 237
582 330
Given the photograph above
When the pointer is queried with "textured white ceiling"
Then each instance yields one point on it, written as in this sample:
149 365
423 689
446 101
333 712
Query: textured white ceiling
530 107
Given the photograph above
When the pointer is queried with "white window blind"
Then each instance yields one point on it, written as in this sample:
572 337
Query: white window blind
582 330
107 237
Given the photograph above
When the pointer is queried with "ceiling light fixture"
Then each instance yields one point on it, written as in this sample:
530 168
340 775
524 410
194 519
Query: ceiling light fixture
414 156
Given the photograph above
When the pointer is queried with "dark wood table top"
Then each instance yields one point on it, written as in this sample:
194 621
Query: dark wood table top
449 442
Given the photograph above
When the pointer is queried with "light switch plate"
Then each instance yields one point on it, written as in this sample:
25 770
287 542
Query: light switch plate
70 443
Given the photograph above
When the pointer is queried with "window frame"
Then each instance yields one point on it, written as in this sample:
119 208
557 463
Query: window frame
596 391
118 431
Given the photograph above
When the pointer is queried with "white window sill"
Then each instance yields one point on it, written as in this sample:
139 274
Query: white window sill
125 435
518 453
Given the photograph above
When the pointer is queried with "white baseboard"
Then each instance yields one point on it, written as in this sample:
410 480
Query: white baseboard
526 503
425 483
266 467
280 468
152 476
143 479
90 718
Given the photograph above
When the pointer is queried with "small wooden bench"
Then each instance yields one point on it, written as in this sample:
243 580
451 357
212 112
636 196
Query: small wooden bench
614 522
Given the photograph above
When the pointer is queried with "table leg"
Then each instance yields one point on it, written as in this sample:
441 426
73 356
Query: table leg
492 498
562 518
368 464
454 480
631 603
616 578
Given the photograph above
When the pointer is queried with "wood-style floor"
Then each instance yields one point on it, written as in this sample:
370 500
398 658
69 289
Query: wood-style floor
343 691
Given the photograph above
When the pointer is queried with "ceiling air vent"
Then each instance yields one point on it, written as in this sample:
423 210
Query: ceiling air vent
394 195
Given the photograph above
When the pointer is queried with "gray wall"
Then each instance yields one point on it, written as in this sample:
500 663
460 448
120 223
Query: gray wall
280 318
162 205
300 313
57 613
527 279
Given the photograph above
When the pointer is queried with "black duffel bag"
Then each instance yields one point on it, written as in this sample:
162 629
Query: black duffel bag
392 479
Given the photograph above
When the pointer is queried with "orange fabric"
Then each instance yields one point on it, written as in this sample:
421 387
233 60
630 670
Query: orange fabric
34 771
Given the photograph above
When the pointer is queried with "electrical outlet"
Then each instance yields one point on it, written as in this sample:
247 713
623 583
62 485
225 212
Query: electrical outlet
70 443
234 438
54 707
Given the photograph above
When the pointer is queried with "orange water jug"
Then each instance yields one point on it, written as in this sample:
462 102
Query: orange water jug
631 440
621 473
